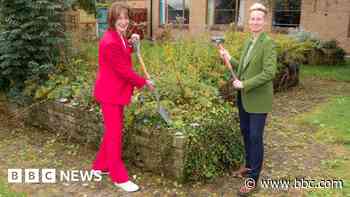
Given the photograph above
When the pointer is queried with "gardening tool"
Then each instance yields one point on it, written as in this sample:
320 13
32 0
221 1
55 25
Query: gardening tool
161 110
219 40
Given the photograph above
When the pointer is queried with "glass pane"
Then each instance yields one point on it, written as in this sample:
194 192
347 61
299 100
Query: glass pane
287 18
287 5
174 14
224 16
175 5
287 13
224 11
178 11
225 4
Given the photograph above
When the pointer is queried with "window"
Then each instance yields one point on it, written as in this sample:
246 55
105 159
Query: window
174 11
287 13
222 11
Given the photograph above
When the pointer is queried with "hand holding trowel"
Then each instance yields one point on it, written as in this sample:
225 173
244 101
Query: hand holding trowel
219 40
161 110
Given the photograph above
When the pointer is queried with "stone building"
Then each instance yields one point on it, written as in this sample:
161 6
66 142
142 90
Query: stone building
329 19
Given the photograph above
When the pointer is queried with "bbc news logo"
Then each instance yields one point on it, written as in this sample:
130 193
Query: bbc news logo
51 176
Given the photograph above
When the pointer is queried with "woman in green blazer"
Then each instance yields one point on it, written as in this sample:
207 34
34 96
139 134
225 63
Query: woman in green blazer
255 71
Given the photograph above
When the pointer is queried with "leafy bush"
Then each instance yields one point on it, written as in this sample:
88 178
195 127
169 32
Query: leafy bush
213 146
303 36
30 41
291 54
71 81
322 52
188 74
291 51
327 53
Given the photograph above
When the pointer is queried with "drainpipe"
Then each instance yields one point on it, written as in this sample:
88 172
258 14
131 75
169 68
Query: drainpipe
236 14
151 20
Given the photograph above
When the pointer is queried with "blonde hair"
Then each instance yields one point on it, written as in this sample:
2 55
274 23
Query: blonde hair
258 7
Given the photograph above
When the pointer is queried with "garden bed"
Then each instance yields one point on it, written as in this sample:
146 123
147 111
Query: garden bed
152 149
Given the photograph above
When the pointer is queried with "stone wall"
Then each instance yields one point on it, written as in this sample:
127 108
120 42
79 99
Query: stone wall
157 150
328 19
66 120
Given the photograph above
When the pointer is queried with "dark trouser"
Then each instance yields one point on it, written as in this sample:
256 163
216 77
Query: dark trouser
252 128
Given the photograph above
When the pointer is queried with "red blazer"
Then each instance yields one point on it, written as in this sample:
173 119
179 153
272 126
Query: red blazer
115 78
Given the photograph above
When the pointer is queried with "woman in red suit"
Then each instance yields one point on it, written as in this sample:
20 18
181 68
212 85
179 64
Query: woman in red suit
114 86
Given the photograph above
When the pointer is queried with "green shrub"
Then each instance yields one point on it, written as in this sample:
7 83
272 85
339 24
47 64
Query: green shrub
214 146
214 140
188 74
30 41
303 36
327 53
71 81
322 52
291 51
291 54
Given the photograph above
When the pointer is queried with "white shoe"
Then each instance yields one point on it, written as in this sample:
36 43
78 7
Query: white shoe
128 186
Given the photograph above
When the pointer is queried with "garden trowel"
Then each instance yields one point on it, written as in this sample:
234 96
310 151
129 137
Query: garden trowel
161 110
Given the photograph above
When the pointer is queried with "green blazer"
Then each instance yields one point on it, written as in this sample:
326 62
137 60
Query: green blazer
257 76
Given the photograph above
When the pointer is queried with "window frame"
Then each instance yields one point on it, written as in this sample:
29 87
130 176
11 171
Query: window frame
211 17
164 12
290 11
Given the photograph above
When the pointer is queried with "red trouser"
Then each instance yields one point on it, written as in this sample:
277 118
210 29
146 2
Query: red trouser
109 156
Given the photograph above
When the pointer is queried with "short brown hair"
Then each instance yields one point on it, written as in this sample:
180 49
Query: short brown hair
114 12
